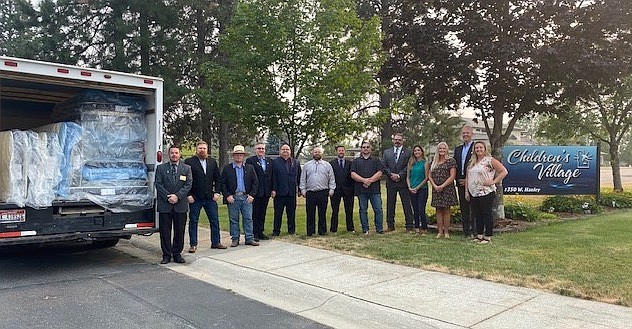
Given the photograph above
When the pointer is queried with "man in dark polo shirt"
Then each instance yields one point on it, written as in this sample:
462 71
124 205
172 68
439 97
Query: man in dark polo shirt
366 171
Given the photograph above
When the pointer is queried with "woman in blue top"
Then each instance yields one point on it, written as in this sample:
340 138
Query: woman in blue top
417 179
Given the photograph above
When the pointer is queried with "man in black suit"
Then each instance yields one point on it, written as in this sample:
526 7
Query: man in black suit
286 175
173 182
344 190
204 194
263 168
395 160
239 186
462 155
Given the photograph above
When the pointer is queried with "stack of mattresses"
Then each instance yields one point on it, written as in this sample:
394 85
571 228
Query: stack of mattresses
69 134
29 168
111 153
13 173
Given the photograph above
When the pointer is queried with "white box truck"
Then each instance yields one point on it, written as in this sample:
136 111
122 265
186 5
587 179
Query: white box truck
78 150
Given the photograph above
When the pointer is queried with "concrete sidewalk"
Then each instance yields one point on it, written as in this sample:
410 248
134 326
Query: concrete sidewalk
344 291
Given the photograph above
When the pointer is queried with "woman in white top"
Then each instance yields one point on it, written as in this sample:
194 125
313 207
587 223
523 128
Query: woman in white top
483 173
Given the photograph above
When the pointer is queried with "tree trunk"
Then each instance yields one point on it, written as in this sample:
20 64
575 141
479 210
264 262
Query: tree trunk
222 141
616 166
387 127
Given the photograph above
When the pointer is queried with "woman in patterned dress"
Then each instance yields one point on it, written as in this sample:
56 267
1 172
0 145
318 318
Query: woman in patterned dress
483 173
442 175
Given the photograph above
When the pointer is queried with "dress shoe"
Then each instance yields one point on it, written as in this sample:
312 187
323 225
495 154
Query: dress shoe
235 243
192 249
256 239
263 237
165 260
275 234
178 259
252 243
218 246
390 229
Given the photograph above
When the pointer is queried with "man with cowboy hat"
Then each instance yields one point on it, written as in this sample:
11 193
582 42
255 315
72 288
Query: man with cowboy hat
239 187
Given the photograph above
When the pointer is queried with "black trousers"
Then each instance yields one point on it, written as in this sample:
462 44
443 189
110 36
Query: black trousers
347 198
391 199
167 221
259 210
289 203
314 200
468 222
482 212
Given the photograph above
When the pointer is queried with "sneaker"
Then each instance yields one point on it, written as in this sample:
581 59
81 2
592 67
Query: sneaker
235 243
366 232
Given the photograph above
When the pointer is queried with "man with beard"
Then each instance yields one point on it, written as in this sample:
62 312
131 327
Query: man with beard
204 194
317 184
263 168
366 171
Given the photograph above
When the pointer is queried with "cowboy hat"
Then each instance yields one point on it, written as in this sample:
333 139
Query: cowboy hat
238 149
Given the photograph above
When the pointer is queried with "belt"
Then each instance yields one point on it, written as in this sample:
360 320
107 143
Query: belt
240 193
317 191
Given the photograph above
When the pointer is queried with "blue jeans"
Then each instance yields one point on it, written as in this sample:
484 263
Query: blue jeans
234 209
376 203
419 201
210 207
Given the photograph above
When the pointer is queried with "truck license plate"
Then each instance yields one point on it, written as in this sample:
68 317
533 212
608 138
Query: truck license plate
13 216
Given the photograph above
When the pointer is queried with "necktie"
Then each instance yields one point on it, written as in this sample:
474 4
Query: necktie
342 164
396 154
173 173
263 164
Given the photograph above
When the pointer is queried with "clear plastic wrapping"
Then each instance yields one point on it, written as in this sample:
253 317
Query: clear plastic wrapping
108 165
30 168
69 134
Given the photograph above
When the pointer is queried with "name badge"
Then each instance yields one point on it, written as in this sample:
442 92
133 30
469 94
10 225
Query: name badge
183 178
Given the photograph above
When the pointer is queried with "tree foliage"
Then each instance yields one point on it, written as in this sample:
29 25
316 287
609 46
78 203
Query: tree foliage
298 67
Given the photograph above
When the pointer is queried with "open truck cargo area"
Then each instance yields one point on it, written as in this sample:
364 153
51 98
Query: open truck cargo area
78 149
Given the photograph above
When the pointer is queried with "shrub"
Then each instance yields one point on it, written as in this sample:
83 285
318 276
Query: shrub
520 211
616 200
571 204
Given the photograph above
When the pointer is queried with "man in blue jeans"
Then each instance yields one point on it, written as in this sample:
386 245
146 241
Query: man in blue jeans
239 187
204 194
366 171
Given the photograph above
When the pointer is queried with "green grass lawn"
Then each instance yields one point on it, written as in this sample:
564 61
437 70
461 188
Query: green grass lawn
589 257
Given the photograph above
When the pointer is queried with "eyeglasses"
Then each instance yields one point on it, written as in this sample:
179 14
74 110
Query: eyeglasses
260 148
366 147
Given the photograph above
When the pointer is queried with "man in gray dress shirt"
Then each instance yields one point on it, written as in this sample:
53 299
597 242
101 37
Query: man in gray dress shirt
317 184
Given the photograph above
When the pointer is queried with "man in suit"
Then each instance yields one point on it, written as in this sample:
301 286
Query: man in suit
173 182
462 155
204 194
395 160
344 190
239 186
263 168
286 174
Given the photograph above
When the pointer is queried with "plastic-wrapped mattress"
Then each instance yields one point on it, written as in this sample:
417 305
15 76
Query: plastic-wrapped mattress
29 168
